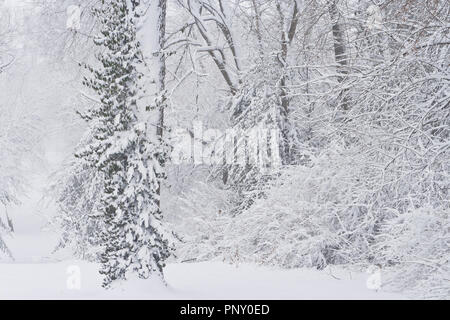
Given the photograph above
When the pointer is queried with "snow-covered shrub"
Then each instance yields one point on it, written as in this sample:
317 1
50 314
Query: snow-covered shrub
312 215
415 246
6 228
76 190
196 210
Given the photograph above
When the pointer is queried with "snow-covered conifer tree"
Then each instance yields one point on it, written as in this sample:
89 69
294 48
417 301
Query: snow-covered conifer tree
133 240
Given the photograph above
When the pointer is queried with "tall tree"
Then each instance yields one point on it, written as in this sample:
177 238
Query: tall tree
161 87
133 239
340 53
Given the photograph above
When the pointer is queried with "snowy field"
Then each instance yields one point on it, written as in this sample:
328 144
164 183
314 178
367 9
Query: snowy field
37 274
210 280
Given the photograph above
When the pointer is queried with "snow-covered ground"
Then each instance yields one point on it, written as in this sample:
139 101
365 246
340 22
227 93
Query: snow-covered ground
37 274
208 280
